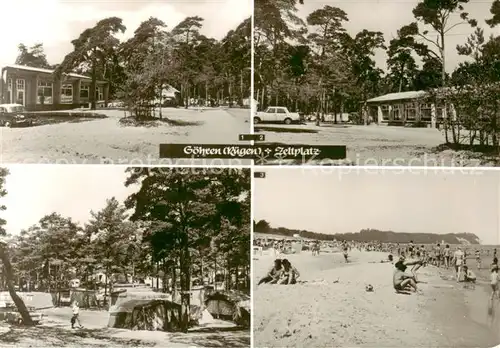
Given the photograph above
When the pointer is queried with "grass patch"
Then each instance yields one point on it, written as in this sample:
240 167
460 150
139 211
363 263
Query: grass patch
155 122
333 125
41 118
484 149
58 337
63 114
49 120
283 130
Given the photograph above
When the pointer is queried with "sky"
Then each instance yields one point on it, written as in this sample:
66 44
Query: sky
389 16
73 191
56 22
348 200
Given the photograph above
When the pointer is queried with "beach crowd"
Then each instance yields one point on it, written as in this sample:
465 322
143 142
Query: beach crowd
410 258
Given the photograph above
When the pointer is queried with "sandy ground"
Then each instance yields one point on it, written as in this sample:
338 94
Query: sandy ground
105 141
56 332
326 313
373 145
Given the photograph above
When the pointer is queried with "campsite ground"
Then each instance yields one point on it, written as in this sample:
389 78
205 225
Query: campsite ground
56 332
375 145
108 141
332 307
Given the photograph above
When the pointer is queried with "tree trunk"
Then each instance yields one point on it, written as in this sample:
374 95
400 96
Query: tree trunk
9 276
93 84
241 87
202 271
165 275
106 286
206 93
174 280
185 289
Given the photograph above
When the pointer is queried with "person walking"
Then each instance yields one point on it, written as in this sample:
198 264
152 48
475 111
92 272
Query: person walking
458 260
76 315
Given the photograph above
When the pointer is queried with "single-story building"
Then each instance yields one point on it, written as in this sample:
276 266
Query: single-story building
38 89
407 108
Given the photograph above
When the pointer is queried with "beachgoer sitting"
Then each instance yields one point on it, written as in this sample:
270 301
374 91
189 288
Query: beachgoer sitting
289 275
469 276
403 281
274 273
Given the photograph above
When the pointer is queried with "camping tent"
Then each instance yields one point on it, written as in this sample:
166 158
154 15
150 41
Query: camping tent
149 315
232 305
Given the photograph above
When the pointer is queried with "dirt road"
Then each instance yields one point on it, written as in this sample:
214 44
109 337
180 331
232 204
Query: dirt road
374 145
56 332
105 141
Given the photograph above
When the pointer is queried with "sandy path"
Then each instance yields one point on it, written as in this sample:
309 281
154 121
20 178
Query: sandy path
56 332
105 141
374 145
322 313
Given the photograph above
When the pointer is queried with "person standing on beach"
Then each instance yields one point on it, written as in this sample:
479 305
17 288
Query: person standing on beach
494 280
447 256
438 255
458 261
494 264
478 259
346 256
411 249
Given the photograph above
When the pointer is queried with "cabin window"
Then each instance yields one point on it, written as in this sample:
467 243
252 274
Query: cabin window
385 111
84 92
44 93
67 94
411 111
99 94
396 112
426 111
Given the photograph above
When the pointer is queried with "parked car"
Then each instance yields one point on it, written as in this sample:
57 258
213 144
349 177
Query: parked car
277 114
116 104
13 115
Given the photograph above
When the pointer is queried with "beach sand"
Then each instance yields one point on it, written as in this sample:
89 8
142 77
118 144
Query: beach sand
323 313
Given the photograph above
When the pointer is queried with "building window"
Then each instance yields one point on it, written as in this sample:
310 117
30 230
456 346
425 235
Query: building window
20 85
44 93
385 111
84 92
99 94
66 94
9 90
410 111
20 91
426 112
439 111
396 112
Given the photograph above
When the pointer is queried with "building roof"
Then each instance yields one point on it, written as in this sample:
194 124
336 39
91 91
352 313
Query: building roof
398 96
46 71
